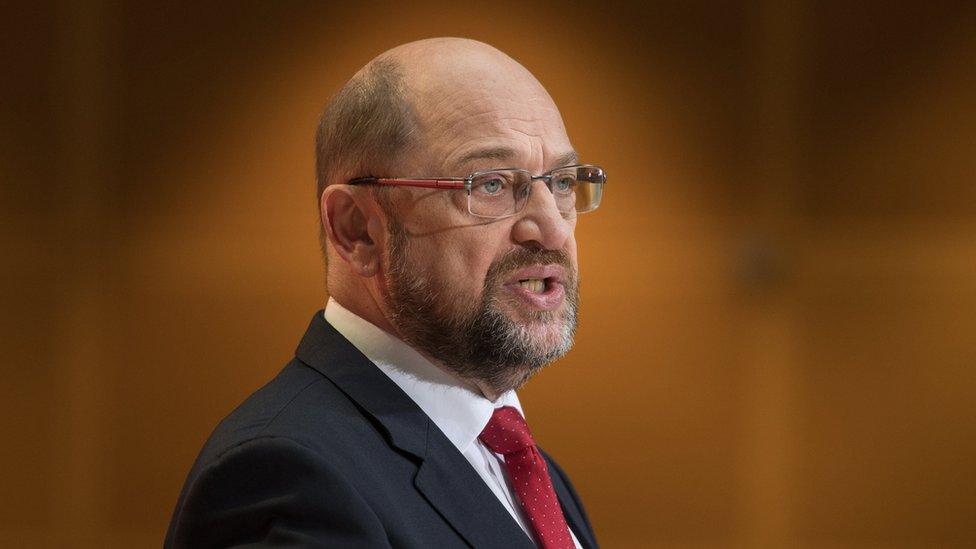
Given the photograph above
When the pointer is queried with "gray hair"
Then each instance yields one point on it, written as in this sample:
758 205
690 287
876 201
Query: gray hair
365 129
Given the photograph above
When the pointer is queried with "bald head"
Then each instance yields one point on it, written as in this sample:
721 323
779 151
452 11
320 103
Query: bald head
438 68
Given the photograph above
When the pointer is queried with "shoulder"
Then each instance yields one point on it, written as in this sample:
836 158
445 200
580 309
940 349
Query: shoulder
299 404
272 490
287 455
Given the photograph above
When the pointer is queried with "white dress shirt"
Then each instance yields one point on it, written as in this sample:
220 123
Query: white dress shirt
457 408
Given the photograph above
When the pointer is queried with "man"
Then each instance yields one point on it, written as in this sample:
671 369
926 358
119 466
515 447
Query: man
397 423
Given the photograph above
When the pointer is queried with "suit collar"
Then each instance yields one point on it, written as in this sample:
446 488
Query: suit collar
444 477
325 350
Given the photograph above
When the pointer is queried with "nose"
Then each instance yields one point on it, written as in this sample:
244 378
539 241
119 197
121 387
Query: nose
540 224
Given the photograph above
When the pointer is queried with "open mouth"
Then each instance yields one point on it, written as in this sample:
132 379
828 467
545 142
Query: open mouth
540 287
544 294
536 285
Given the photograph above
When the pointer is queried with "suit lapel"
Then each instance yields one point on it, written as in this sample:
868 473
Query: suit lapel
402 421
444 476
450 484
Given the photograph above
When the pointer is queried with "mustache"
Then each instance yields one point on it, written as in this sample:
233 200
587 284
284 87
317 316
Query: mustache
523 257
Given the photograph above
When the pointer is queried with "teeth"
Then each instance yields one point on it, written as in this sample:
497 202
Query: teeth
535 285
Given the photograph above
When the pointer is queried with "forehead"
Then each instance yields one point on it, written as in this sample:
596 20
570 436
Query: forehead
473 119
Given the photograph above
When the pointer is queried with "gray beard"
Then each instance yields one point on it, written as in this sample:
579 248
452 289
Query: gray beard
482 345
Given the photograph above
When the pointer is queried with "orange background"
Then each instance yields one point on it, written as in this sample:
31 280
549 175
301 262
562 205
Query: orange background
778 332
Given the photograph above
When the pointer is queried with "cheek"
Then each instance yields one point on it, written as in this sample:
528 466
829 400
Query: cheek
458 201
454 267
478 265
467 260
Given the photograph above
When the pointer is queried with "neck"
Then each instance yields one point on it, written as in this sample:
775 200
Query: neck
365 305
486 390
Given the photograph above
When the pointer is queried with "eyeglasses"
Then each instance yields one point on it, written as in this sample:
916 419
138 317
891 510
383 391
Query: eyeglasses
502 193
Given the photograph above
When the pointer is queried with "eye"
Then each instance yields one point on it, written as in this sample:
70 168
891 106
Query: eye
492 186
563 184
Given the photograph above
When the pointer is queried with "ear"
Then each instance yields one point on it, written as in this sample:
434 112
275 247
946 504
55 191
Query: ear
353 226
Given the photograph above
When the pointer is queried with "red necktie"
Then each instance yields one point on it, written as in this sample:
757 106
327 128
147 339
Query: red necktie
507 434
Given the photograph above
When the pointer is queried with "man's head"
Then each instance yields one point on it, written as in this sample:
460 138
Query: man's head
491 300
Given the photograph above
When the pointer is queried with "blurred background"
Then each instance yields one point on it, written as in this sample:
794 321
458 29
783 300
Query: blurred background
778 333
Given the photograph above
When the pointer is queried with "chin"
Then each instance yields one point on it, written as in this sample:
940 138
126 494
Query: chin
551 335
547 335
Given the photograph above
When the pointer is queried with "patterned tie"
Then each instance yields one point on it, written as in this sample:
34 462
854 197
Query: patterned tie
507 434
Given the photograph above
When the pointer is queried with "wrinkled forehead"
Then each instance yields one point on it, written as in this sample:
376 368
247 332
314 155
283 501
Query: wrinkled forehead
489 106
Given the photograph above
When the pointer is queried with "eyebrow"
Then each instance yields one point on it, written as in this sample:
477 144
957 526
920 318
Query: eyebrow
566 159
488 153
507 153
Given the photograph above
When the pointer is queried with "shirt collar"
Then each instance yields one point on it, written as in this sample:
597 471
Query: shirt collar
457 408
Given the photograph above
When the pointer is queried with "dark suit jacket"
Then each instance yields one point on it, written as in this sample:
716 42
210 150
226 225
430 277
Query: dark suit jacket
332 453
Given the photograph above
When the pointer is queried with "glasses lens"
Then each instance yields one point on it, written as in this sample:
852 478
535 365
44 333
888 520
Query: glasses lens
589 192
577 189
498 193
501 193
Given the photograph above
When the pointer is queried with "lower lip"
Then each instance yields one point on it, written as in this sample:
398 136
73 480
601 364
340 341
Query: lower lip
547 300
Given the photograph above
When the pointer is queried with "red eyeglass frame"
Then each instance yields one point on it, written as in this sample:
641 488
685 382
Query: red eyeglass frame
467 182
459 182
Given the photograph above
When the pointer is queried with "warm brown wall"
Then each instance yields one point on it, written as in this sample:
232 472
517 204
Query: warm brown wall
777 344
